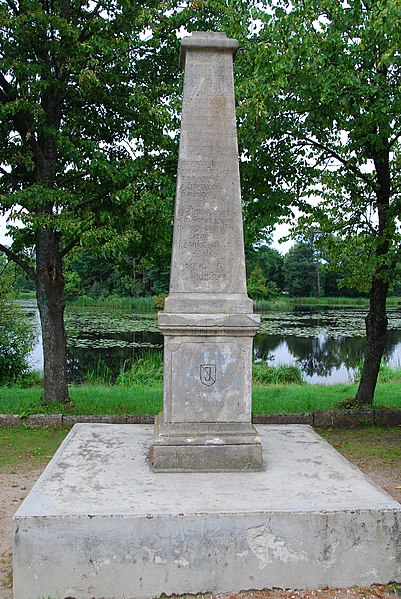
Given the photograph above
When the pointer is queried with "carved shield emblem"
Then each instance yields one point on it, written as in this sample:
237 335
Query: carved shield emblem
208 374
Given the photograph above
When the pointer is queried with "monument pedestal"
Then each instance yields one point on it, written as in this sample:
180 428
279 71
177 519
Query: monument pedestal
100 523
205 447
206 425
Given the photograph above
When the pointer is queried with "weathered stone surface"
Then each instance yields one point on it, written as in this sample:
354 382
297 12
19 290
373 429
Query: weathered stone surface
306 418
139 418
100 523
207 380
70 420
52 420
343 418
208 323
10 420
208 263
387 417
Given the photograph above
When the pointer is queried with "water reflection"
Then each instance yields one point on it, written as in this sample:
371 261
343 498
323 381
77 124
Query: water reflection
323 359
327 346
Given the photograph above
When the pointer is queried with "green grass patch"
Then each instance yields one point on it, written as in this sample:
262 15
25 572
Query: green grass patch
85 399
268 399
116 400
284 399
371 442
284 302
287 399
29 446
140 304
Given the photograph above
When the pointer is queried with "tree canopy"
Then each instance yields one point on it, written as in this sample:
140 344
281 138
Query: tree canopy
88 117
326 85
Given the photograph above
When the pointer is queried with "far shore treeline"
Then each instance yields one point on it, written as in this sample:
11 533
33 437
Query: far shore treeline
300 273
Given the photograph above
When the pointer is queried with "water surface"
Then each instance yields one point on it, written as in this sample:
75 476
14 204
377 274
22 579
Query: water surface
327 344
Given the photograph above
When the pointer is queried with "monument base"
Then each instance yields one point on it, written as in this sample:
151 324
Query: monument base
206 424
99 523
205 447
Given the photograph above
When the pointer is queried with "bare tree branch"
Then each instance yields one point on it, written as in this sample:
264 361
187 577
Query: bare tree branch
70 246
13 6
364 177
18 260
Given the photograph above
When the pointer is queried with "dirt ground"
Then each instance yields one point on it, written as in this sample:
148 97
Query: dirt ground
16 484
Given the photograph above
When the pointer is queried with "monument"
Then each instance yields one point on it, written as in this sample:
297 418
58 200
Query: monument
100 522
208 324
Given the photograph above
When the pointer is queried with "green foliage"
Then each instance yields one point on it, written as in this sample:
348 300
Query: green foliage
326 92
300 270
265 272
386 373
263 374
158 301
100 375
16 333
145 370
257 283
90 98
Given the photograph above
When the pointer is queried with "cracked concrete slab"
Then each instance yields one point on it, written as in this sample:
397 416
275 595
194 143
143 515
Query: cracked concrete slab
100 523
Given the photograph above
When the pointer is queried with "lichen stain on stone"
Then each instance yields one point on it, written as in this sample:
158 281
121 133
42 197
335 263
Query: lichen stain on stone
181 561
268 547
153 556
379 531
99 564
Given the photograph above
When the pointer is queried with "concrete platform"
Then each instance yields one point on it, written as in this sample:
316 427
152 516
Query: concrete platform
100 523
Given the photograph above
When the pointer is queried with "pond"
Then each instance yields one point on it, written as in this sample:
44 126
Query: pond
327 344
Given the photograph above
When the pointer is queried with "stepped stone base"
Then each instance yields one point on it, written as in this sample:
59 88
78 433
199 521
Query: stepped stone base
100 523
205 447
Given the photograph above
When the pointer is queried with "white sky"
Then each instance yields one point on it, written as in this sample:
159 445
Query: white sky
3 238
280 231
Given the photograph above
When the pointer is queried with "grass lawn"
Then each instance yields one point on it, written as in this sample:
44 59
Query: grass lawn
269 399
35 446
371 443
31 447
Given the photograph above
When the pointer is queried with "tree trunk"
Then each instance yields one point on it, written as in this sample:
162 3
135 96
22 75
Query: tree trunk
50 299
376 320
376 329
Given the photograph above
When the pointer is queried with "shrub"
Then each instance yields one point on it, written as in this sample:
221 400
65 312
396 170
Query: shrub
263 374
145 370
158 301
16 336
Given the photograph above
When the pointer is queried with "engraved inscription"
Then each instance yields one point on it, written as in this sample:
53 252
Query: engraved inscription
208 239
208 374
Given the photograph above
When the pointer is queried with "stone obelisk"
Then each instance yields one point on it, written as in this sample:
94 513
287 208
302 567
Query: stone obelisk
208 324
